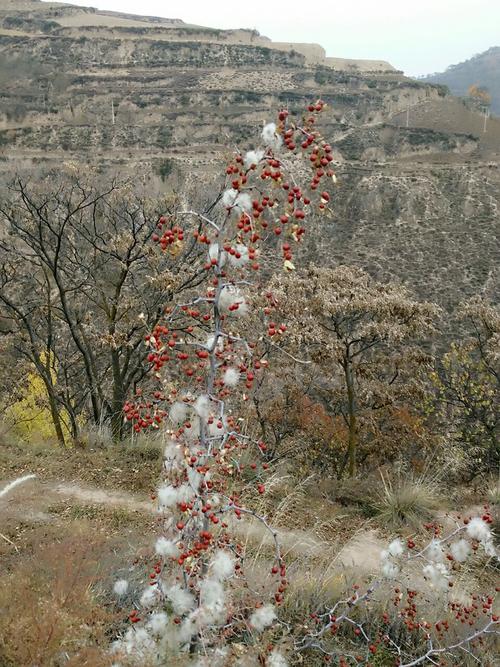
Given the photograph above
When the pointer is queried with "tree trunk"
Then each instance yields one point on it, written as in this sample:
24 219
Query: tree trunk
56 419
118 398
352 444
44 372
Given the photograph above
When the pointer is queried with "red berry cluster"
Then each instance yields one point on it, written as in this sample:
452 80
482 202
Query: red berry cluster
170 233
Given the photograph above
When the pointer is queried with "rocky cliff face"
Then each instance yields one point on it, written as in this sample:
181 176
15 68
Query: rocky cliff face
418 191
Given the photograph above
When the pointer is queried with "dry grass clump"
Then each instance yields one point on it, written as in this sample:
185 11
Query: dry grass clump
52 610
407 500
493 493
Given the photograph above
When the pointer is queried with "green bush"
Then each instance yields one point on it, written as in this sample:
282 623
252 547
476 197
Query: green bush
164 169
164 137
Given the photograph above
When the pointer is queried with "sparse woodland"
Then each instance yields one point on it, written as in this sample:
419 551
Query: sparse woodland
262 391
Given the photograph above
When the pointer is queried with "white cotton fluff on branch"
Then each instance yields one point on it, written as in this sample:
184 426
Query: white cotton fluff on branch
478 530
212 599
202 407
243 203
229 297
229 197
185 493
211 340
390 570
240 258
149 597
460 550
435 552
389 556
240 201
178 412
167 495
187 630
222 565
137 643
437 575
396 548
195 478
213 254
172 454
157 623
275 659
253 158
192 433
121 587
269 136
263 617
231 377
166 548
181 600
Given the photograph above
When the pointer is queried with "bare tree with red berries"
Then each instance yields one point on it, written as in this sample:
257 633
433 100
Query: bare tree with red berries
203 599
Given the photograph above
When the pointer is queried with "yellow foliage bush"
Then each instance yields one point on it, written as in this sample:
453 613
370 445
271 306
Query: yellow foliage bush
30 416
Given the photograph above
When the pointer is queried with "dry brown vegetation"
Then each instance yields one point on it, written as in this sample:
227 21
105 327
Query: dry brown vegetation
59 562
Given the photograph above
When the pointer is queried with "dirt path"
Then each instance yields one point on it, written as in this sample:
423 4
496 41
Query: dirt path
32 501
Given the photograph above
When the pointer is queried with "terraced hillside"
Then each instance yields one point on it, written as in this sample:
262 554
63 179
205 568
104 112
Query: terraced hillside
418 178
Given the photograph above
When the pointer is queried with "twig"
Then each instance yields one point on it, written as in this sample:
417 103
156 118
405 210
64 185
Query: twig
9 541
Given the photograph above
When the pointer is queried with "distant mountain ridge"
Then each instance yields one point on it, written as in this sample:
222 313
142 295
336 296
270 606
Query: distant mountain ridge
482 69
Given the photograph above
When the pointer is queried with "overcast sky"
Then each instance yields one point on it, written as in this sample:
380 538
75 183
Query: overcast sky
418 36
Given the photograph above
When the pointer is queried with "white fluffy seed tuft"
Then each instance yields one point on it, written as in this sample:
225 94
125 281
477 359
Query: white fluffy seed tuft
202 407
435 552
390 570
214 253
478 530
149 597
167 495
240 201
181 600
396 548
229 197
253 158
166 548
212 599
157 623
121 587
460 550
136 643
269 136
240 258
437 575
232 301
275 659
263 617
178 412
231 377
222 565
192 433
172 453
